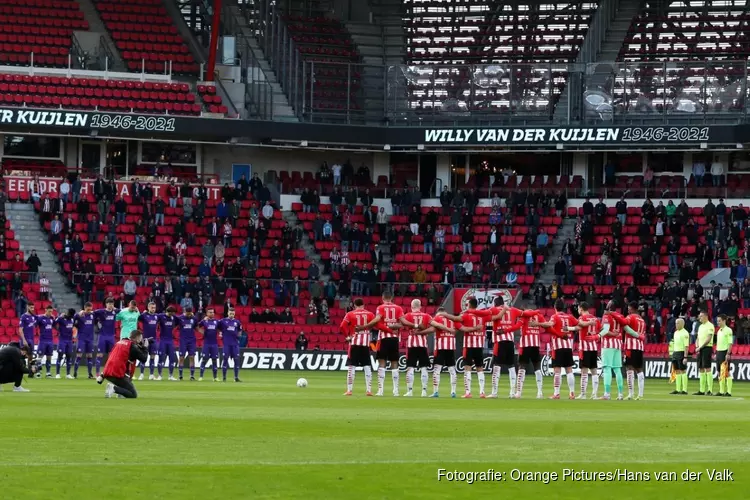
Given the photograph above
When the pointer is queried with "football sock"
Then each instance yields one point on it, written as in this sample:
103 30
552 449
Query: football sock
90 366
630 377
539 381
702 382
98 365
641 383
350 379
512 374
151 365
203 367
595 385
394 376
480 377
424 379
215 366
368 378
237 367
143 367
584 382
48 364
161 368
495 379
684 382
607 380
678 383
58 363
68 362
618 379
519 380
224 366
454 378
436 378
709 381
571 382
192 370
75 366
180 368
722 386
381 379
409 379
729 385
557 382
467 382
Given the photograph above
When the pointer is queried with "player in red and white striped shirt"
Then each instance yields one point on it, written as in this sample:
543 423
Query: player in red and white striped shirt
505 321
416 345
474 339
528 351
445 349
390 315
588 349
359 345
634 328
562 347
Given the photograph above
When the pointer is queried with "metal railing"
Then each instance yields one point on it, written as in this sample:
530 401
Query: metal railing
80 61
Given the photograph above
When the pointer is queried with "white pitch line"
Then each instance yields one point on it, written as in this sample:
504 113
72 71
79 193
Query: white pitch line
313 463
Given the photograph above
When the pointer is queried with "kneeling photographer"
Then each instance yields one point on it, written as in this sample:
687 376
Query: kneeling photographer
13 366
121 364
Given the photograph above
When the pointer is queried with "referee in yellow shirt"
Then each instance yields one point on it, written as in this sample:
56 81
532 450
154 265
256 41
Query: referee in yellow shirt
680 356
703 351
724 341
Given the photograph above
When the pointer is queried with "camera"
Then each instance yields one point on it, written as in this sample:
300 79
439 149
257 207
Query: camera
35 367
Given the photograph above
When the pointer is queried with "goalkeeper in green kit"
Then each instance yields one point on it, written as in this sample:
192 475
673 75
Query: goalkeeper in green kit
128 319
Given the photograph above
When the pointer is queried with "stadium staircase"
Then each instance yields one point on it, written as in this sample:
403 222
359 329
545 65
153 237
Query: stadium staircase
243 29
381 44
605 52
97 26
306 245
565 232
30 236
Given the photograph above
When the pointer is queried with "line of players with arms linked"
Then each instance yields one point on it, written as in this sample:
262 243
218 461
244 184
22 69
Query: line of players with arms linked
90 334
614 335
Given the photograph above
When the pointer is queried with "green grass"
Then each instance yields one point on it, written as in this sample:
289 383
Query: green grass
267 439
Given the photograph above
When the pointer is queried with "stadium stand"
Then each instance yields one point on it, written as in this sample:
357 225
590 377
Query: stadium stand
143 30
489 57
41 27
325 44
99 93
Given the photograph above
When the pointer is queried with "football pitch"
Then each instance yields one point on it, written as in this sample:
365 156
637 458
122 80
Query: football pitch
268 439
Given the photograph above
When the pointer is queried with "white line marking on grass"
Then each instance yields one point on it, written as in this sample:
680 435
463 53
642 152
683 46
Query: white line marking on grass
313 463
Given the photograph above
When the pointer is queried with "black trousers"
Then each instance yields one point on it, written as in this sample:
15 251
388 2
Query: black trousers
9 376
124 386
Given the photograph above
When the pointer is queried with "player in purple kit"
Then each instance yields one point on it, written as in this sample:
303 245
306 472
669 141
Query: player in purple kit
46 338
149 322
27 327
66 337
84 323
167 323
106 318
208 328
230 331
187 323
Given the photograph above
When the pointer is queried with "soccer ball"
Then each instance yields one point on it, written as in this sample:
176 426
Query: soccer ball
302 382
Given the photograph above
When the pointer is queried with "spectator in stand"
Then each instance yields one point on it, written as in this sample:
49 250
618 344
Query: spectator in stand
588 209
227 233
561 201
382 221
673 248
511 278
55 228
366 200
467 238
717 172
560 270
542 240
699 170
648 177
129 288
621 209
739 216
406 235
529 259
446 197
32 266
313 272
396 199
159 207
420 278
336 170
121 208
255 185
350 198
